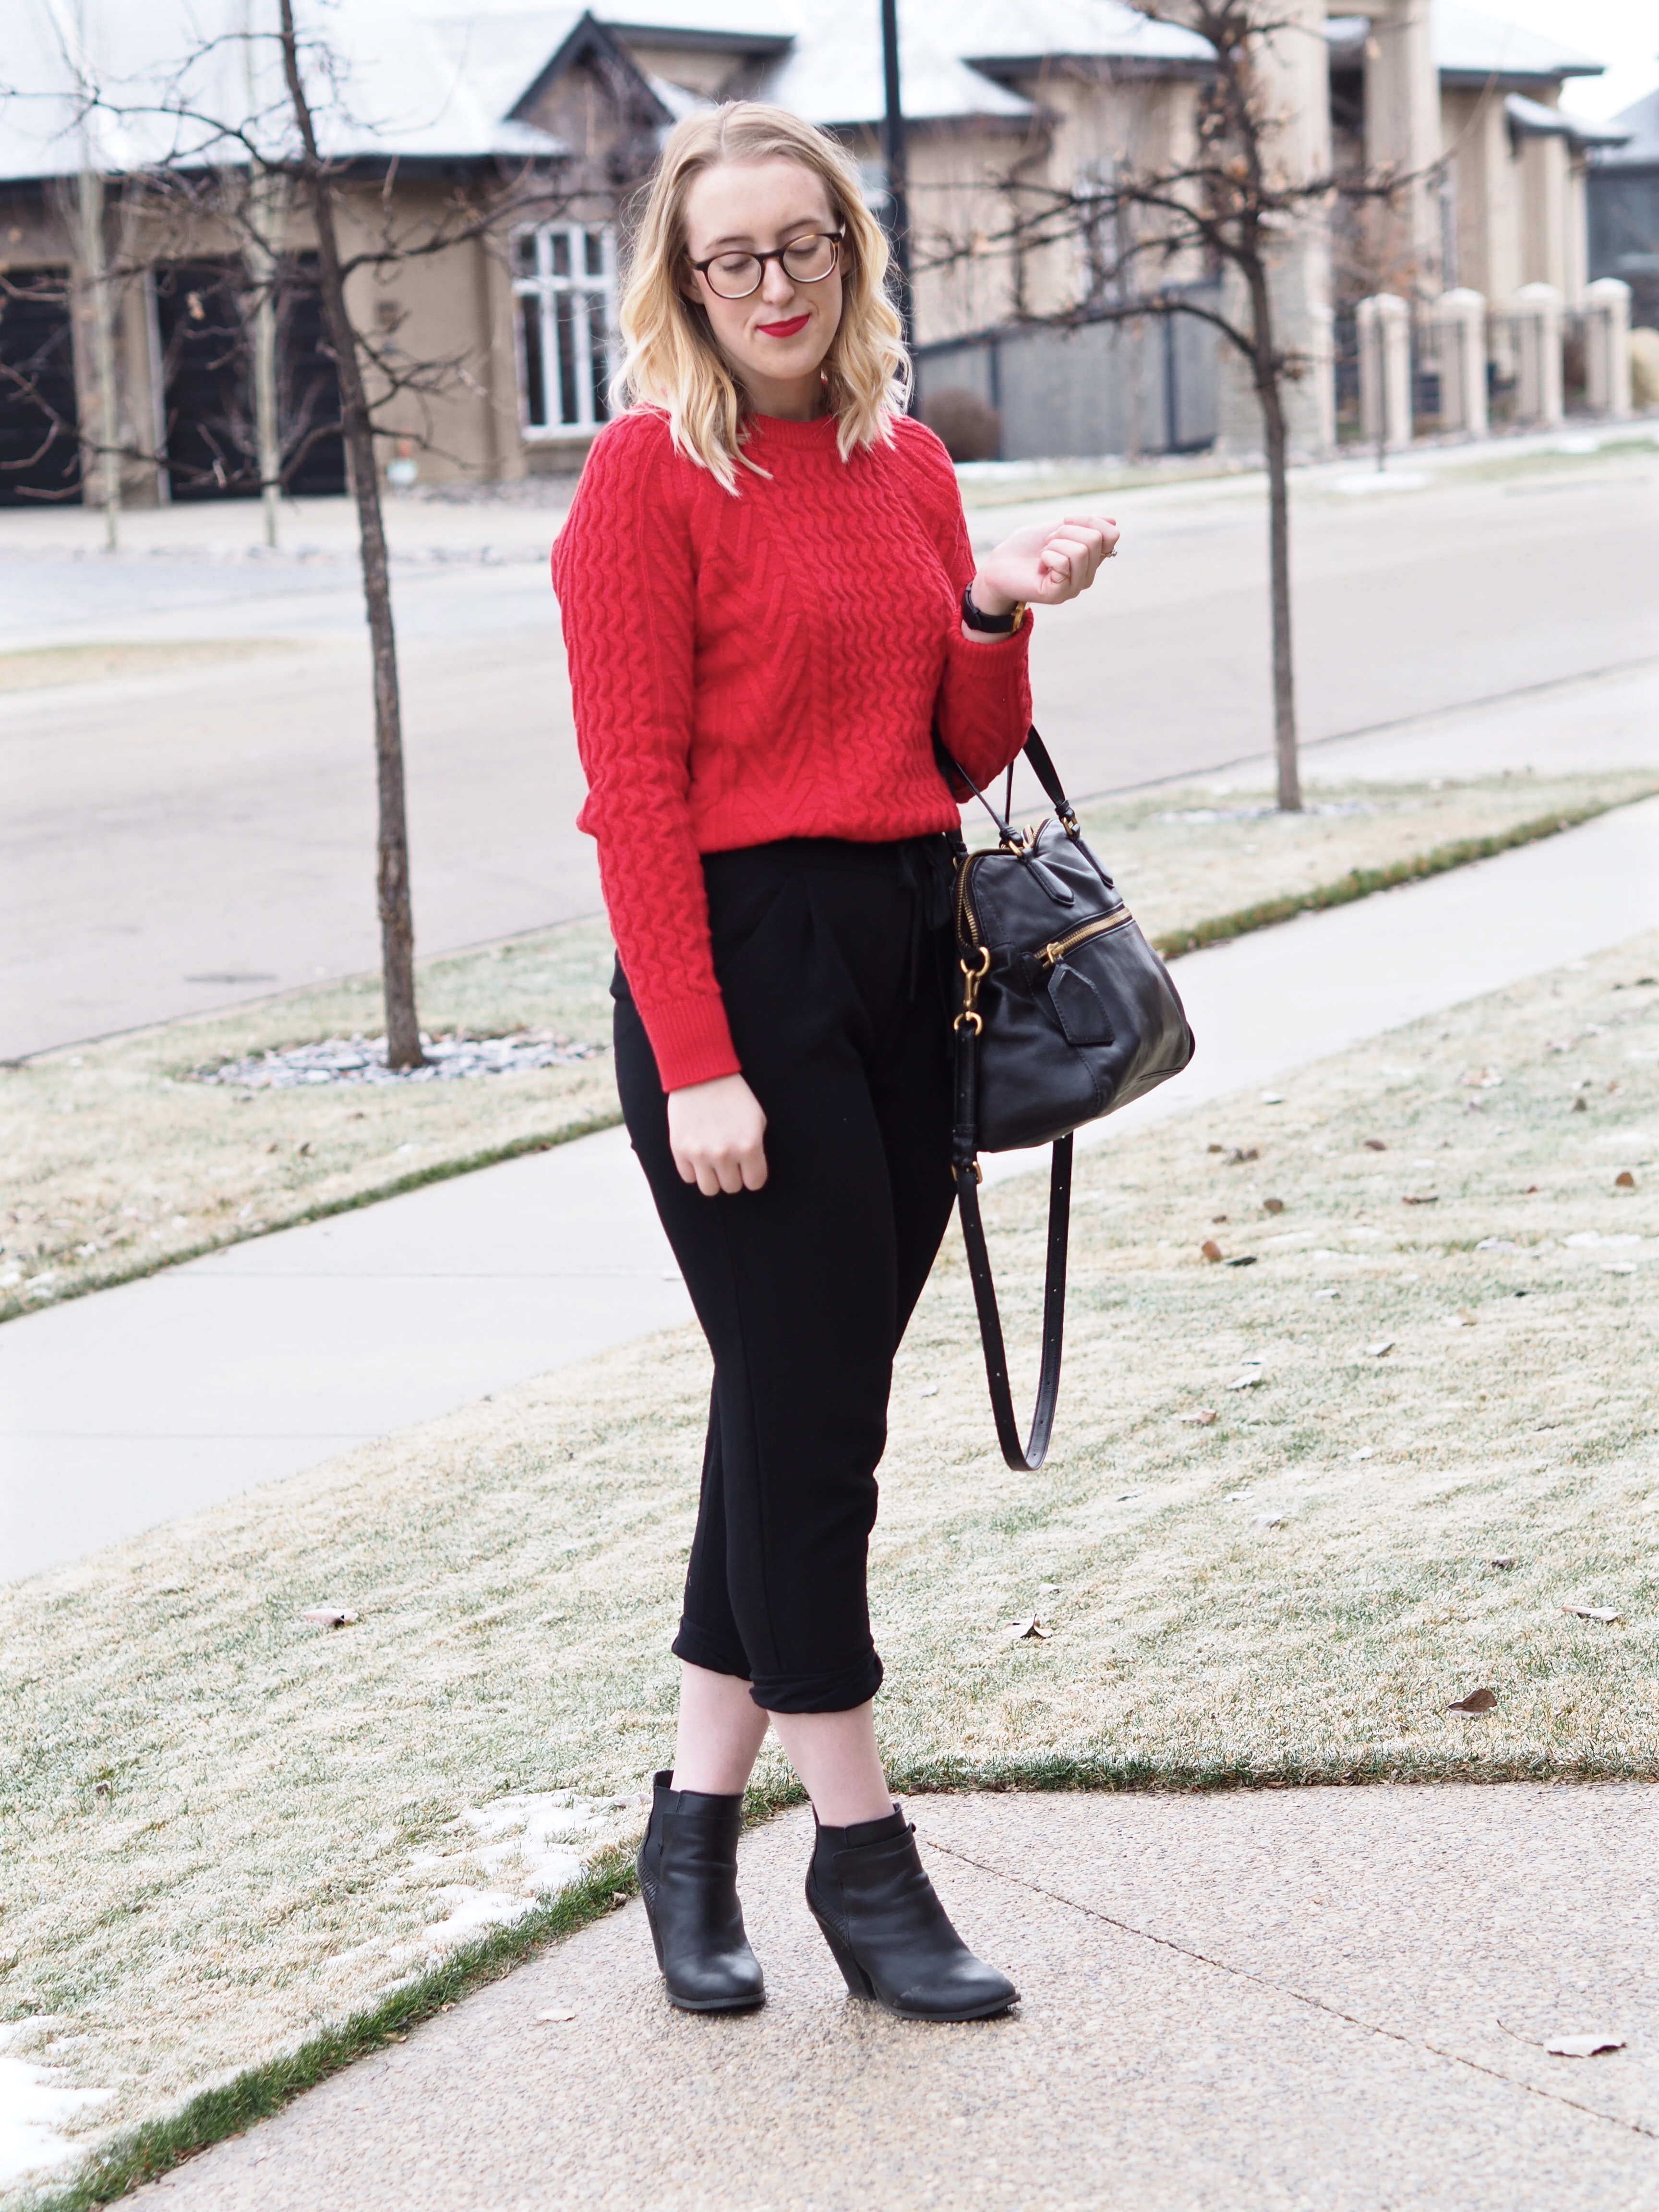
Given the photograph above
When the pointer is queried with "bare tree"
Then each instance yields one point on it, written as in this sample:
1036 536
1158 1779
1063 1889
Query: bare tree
1226 204
236 167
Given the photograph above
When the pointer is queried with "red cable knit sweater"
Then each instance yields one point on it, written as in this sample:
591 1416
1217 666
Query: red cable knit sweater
764 666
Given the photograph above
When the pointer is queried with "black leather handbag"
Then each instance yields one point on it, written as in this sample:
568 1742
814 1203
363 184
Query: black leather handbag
1066 1014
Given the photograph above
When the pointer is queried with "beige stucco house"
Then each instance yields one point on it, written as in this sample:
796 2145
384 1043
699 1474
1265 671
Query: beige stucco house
565 107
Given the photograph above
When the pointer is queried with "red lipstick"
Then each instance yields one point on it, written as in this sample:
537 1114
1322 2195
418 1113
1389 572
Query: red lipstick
784 329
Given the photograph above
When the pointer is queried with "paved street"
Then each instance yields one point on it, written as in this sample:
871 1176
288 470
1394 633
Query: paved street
1335 1998
173 841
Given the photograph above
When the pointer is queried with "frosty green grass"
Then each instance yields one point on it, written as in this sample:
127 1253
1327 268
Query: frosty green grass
236 1848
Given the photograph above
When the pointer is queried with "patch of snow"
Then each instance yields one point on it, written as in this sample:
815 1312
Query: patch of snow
1585 1240
525 1847
34 2105
1376 480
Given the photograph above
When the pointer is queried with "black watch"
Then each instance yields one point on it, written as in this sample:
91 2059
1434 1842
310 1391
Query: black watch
993 625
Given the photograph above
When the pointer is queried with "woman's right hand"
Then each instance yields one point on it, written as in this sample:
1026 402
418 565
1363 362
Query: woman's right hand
715 1132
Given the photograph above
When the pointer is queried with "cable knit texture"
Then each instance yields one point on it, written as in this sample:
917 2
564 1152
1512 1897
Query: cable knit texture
764 666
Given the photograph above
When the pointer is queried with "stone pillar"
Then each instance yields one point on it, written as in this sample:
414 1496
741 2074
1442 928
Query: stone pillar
1402 133
1460 321
1385 371
1293 68
1536 313
1606 346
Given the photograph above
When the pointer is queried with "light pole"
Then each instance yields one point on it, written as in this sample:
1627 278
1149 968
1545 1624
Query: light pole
898 195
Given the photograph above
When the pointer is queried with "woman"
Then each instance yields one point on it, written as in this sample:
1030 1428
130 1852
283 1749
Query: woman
769 603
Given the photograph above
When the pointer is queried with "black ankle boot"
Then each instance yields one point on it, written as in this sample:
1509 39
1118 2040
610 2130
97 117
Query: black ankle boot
688 1867
869 1892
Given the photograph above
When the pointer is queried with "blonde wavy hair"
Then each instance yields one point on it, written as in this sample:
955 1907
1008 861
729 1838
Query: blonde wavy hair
672 361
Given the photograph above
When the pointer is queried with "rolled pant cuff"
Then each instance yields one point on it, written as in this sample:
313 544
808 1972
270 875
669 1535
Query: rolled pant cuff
819 1693
698 1649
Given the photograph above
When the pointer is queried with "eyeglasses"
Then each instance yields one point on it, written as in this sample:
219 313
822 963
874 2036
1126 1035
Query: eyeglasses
805 261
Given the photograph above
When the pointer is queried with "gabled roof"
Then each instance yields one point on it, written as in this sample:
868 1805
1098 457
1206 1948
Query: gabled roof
1471 45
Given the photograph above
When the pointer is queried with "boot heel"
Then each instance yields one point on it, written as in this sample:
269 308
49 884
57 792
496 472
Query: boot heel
858 1982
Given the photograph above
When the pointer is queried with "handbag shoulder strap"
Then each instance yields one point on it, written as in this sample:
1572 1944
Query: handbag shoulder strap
1027 1458
965 1167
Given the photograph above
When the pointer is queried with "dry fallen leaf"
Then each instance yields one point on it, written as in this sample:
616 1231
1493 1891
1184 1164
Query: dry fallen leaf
1624 1180
1506 1562
1603 1613
1202 1419
558 2013
330 1616
1421 1198
1025 1631
1243 1259
1270 1521
1210 1248
1375 1145
1380 1350
1240 1153
1583 2046
1478 1701
1273 1206
1579 1107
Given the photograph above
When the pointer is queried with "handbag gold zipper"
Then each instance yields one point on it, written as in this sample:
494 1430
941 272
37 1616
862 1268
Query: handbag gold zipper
1056 952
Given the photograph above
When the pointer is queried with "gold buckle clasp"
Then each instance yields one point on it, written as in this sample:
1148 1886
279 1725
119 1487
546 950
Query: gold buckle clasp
971 979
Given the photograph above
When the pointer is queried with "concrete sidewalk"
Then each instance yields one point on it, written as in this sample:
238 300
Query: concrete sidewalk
123 1410
1318 1999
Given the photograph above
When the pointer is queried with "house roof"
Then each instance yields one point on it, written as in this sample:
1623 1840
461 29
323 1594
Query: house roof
957 57
1640 126
992 35
759 26
410 81
450 79
1470 44
1529 119
831 76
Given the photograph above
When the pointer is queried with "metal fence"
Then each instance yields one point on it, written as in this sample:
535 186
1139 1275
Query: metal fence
1149 384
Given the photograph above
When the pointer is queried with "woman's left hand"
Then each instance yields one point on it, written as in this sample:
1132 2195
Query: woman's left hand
1044 565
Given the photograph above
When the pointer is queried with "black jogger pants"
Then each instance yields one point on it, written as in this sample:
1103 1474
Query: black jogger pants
833 960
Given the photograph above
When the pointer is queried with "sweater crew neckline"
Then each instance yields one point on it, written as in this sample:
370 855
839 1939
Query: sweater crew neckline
815 436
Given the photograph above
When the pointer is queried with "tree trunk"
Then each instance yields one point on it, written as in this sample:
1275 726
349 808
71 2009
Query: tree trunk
103 343
1271 400
261 262
403 1033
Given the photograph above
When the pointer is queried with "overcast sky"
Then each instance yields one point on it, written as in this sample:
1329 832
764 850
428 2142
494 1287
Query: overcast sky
1623 33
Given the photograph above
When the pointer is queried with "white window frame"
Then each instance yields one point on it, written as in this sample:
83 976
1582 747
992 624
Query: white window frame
591 302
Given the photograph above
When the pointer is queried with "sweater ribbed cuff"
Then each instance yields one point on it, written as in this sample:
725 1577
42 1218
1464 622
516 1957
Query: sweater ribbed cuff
691 1040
